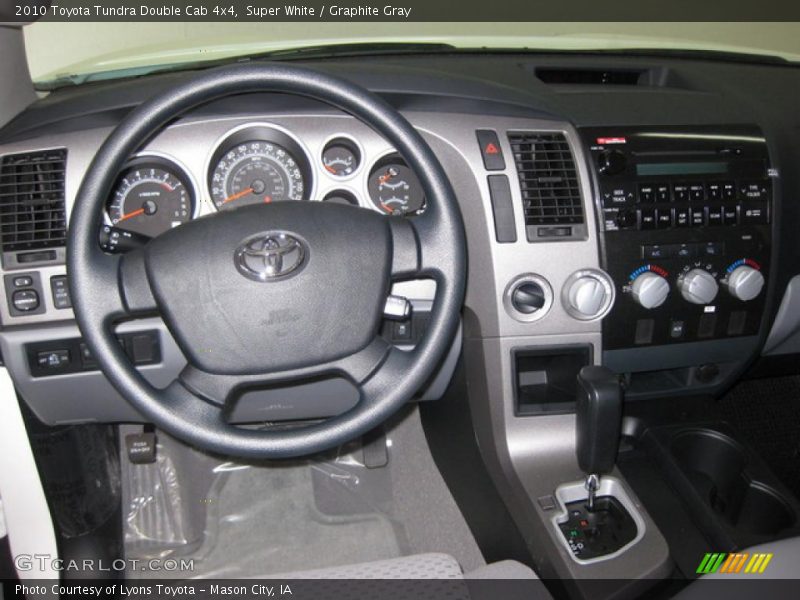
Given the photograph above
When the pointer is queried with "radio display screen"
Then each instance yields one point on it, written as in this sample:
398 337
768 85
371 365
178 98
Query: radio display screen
682 168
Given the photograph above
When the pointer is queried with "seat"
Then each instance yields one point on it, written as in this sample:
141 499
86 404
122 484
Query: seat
419 570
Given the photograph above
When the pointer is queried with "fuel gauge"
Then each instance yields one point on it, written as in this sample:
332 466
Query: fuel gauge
341 157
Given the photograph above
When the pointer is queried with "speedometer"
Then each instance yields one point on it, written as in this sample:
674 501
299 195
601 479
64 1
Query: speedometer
254 172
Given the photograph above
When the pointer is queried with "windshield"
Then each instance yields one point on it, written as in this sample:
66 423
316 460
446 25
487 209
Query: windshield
114 49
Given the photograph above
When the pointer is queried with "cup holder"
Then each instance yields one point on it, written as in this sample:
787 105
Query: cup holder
715 466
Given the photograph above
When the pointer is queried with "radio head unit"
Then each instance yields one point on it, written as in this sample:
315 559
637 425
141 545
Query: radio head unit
685 220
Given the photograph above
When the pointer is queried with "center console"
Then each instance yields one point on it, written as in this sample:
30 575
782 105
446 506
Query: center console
686 237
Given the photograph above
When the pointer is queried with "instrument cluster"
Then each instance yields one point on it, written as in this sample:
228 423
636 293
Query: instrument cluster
253 164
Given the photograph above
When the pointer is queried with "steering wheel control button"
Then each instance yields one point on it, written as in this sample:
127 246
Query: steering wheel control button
650 290
505 229
588 294
25 300
270 256
491 152
698 286
396 308
528 297
60 290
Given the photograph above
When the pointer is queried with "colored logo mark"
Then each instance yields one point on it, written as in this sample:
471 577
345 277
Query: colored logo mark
738 562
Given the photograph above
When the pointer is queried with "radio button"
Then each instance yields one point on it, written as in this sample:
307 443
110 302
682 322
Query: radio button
730 215
647 218
754 214
753 190
698 216
682 217
714 215
662 193
664 218
611 162
680 192
714 191
697 192
647 193
728 191
625 218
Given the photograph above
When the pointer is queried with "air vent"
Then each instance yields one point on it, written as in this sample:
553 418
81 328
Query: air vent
32 213
548 183
568 76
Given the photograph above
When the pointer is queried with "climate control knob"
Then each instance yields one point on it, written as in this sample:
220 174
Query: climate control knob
650 289
745 283
698 286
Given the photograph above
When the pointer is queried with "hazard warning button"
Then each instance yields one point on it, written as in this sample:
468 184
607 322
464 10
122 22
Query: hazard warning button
490 150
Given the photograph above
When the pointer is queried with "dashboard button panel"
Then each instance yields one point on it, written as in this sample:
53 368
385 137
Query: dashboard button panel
702 216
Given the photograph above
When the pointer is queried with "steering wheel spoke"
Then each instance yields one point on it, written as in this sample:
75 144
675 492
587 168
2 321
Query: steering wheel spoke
120 287
218 389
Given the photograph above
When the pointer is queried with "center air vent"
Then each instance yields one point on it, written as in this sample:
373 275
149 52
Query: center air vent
32 213
549 186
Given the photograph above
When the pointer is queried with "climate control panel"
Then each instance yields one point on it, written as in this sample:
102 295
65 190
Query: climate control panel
685 230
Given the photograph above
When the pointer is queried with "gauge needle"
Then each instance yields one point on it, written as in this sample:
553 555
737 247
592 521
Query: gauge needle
130 215
330 169
238 195
385 177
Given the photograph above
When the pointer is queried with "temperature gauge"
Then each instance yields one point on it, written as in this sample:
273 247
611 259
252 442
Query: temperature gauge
341 157
394 188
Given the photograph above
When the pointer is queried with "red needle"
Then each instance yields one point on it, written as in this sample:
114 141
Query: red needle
238 195
130 215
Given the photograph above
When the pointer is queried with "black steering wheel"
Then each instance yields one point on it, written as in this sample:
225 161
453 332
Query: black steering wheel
269 293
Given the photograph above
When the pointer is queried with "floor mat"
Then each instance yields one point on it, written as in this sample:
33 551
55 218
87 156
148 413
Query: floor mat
767 413
265 521
248 519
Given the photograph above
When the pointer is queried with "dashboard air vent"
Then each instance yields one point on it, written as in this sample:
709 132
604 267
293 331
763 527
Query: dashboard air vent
548 179
32 206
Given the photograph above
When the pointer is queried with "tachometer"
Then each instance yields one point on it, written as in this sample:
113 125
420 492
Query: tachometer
255 171
394 188
151 196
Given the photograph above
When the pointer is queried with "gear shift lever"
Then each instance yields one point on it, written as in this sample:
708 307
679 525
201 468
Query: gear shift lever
598 417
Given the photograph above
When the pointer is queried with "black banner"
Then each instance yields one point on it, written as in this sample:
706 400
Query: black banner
399 10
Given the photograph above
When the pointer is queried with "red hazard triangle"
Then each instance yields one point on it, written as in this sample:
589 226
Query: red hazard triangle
492 149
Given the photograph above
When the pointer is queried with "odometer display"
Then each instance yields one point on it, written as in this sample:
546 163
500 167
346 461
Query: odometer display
255 172
150 198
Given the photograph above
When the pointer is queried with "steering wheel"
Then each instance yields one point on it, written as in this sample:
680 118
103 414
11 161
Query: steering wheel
271 293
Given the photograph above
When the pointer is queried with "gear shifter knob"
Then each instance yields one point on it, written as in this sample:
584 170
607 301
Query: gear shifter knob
598 418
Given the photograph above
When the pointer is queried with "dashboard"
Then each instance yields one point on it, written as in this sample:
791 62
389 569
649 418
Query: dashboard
642 226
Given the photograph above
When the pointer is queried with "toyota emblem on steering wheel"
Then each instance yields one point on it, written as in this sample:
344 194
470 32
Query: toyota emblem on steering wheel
270 256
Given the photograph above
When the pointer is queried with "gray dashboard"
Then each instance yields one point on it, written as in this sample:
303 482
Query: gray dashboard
502 102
